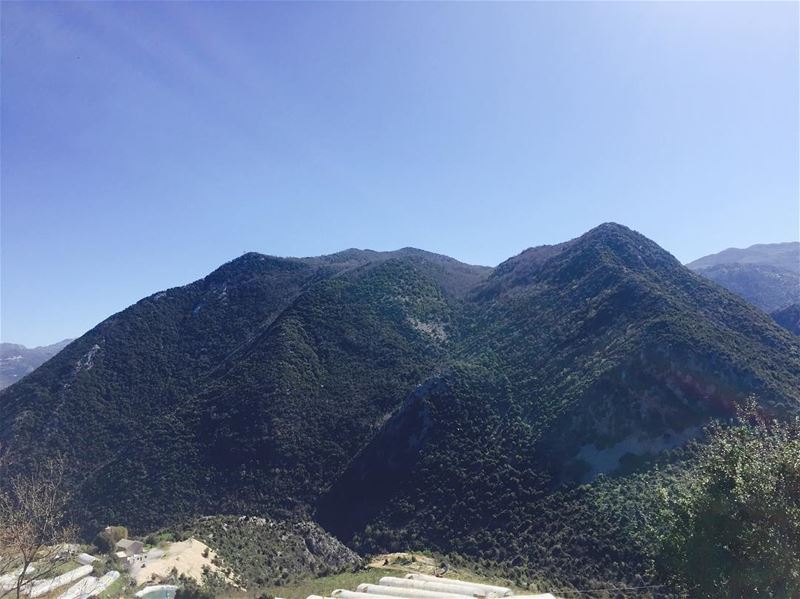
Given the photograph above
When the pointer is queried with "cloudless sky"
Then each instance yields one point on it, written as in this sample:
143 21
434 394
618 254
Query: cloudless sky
144 144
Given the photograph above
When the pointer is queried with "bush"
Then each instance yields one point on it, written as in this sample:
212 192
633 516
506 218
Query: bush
736 531
191 590
117 532
107 538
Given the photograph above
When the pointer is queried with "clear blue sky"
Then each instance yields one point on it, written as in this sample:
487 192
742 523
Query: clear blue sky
144 144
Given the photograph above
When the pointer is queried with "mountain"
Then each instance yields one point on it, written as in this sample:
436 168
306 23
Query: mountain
785 256
144 405
17 360
404 399
788 318
766 275
583 358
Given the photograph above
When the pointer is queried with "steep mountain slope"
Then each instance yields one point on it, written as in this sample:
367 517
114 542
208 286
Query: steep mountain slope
582 358
263 552
788 318
316 385
136 405
766 287
766 275
412 400
17 360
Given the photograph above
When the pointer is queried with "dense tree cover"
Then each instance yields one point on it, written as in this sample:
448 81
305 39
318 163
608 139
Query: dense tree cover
256 553
770 287
788 317
144 403
413 400
189 589
718 518
475 492
321 380
733 530
597 345
588 329
106 540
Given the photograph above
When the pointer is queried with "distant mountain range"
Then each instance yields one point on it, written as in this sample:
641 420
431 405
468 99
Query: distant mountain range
766 275
404 399
784 256
17 360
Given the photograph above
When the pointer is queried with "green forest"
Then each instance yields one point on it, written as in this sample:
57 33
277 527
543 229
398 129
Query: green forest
566 420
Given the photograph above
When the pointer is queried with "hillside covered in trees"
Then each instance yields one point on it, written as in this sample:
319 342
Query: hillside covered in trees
516 416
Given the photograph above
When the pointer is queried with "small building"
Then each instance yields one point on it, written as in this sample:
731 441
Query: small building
130 548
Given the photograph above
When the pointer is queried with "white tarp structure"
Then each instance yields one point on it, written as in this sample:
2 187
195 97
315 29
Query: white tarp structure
345 594
158 591
455 587
423 586
48 585
82 588
499 591
9 581
91 586
105 581
376 589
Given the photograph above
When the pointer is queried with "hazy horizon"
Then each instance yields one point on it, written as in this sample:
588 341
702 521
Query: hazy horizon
146 144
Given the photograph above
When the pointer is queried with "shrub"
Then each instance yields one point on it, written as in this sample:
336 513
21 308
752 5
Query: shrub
736 531
191 590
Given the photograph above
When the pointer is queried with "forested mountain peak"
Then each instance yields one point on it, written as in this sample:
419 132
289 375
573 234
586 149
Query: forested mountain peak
272 380
607 246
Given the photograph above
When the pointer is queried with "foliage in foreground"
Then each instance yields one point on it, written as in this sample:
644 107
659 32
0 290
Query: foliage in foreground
717 519
735 530
33 525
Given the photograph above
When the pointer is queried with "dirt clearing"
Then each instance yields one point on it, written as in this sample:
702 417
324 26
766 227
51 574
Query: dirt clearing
186 557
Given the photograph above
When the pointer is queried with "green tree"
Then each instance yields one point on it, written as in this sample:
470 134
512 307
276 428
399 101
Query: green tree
736 531
106 539
191 590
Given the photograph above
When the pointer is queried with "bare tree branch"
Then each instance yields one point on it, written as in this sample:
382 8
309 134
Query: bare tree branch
34 532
